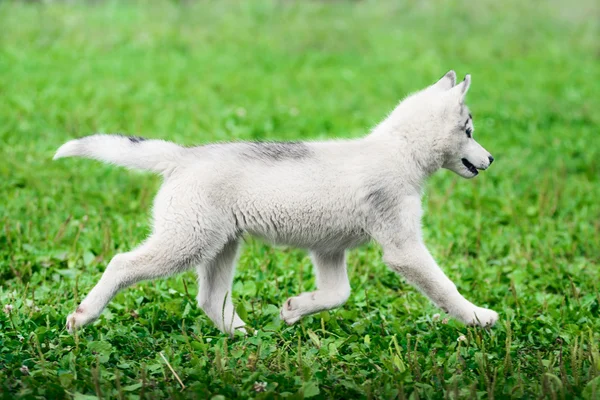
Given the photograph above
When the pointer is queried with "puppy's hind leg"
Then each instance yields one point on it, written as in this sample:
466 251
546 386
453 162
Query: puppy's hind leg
333 288
159 256
214 292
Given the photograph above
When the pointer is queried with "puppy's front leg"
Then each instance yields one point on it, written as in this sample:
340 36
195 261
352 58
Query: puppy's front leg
333 288
413 261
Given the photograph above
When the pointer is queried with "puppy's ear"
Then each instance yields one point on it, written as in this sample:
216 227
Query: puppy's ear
460 90
446 82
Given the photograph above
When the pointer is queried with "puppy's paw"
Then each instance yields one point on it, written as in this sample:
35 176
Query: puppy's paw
240 331
78 319
480 316
291 312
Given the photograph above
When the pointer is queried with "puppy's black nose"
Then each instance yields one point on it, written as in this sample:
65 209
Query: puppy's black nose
491 159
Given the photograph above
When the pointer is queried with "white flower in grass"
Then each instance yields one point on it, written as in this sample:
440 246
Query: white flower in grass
24 370
461 338
8 308
435 317
260 386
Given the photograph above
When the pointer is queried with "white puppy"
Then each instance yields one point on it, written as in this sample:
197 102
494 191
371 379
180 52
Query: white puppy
324 196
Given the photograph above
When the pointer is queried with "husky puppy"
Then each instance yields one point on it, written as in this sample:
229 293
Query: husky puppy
325 196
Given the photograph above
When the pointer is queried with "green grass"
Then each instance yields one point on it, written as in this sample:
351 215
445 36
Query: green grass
523 238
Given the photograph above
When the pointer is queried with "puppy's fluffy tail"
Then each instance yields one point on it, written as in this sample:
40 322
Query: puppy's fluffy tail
128 151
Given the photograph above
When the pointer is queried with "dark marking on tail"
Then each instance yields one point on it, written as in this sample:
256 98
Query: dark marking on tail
136 139
133 139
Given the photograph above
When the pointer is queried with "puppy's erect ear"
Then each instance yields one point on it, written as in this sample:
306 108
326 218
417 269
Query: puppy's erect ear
462 88
446 82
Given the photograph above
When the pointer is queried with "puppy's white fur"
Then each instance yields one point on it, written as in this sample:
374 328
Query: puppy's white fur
324 196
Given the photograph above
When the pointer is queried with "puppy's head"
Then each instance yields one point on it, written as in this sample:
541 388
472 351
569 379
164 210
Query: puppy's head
440 116
462 154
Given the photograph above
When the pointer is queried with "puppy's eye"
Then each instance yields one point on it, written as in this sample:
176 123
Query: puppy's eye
469 132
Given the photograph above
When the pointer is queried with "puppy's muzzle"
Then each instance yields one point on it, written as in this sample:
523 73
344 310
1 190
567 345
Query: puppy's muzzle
472 169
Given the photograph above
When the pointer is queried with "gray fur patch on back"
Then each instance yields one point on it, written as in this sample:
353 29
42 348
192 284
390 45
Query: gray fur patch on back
276 151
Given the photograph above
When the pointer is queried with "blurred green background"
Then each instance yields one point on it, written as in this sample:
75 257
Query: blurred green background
522 238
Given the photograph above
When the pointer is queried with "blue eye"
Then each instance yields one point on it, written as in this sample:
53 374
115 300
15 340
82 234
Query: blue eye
469 132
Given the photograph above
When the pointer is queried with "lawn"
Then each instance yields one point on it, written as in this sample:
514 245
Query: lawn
523 238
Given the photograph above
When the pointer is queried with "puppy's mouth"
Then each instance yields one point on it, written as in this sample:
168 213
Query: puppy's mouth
472 169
